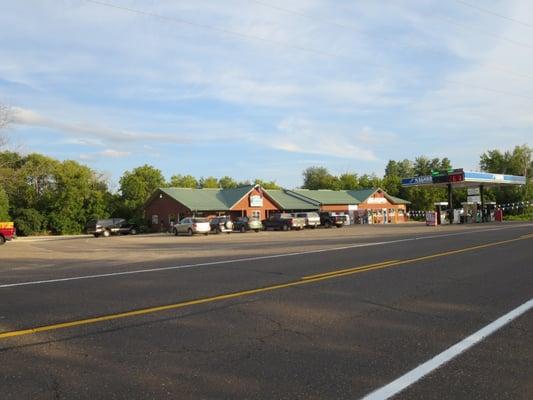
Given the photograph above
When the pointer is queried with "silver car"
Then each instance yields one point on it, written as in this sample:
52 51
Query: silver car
192 225
312 219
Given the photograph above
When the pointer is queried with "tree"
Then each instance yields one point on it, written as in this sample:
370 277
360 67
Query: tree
516 162
394 172
420 198
267 184
79 196
208 183
319 178
4 205
5 119
369 181
348 181
29 221
183 181
136 186
227 182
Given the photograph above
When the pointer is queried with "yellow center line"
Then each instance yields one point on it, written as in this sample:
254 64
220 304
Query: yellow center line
352 269
304 280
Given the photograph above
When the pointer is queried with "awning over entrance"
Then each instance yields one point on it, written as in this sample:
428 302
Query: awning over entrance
460 178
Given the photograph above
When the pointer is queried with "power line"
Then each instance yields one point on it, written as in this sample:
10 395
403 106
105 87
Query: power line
210 27
321 20
304 15
495 14
279 43
484 32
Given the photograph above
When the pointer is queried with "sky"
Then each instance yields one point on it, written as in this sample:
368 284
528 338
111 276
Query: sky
266 88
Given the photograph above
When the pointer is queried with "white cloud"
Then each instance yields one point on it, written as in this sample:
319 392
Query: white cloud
299 135
23 116
114 153
369 136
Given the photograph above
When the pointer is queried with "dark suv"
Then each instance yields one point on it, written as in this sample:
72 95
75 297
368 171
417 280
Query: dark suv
107 227
243 224
221 224
327 220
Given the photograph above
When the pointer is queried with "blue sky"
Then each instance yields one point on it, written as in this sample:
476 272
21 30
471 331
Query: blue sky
266 88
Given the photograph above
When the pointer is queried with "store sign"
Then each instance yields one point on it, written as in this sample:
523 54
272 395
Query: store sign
418 180
377 200
256 201
473 191
474 199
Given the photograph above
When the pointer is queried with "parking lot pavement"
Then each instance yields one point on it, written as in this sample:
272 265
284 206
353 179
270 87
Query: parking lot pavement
87 251
298 315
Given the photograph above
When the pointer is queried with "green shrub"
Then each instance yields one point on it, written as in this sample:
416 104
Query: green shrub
29 222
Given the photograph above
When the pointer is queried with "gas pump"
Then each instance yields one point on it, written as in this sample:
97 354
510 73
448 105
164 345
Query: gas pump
469 212
489 210
441 208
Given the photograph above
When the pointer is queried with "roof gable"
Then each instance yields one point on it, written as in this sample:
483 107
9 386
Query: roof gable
363 194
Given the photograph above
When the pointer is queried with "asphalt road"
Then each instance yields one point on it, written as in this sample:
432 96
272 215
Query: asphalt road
329 314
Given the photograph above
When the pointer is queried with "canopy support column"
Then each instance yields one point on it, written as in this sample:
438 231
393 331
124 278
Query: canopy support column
450 203
483 219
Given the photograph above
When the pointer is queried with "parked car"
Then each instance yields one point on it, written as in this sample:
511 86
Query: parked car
284 222
327 220
7 231
243 224
110 226
312 219
221 224
192 225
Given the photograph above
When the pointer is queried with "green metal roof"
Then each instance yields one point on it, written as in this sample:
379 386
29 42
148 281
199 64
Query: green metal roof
299 199
329 196
397 200
362 194
208 199
324 197
290 202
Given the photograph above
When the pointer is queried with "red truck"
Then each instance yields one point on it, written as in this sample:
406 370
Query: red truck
7 231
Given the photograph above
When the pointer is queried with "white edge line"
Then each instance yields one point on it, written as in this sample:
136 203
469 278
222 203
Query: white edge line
186 266
439 360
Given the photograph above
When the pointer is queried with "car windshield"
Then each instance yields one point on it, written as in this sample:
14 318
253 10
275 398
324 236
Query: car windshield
196 220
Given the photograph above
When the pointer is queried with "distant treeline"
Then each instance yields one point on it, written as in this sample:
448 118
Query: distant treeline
44 195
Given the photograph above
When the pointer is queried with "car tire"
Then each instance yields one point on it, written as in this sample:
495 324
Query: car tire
242 229
313 226
284 228
217 230
175 232
327 225
256 230
96 235
133 231
189 232
106 233
2 240
207 233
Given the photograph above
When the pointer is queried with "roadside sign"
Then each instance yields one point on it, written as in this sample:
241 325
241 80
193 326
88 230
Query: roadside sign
431 218
474 199
473 191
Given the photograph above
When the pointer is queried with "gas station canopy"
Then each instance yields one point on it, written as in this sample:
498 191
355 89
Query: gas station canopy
461 178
